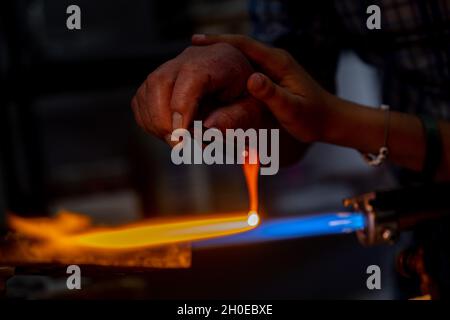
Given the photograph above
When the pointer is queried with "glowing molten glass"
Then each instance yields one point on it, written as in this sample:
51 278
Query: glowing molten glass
251 172
253 218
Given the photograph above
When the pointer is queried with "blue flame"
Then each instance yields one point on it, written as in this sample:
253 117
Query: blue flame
294 227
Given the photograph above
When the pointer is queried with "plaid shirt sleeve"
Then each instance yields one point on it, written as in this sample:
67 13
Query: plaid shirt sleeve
411 51
269 20
308 31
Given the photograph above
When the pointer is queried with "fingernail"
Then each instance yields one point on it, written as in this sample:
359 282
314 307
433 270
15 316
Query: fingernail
198 37
256 82
177 121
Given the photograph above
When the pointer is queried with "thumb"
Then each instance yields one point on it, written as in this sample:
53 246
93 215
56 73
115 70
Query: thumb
278 100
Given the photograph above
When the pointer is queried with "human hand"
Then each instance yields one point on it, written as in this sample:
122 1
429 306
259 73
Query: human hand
213 77
299 104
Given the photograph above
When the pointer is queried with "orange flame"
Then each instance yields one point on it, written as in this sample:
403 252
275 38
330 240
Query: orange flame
180 229
51 240
251 172
164 232
72 230
64 230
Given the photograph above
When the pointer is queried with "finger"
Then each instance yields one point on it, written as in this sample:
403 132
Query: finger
190 87
257 51
244 114
138 105
281 103
273 61
153 101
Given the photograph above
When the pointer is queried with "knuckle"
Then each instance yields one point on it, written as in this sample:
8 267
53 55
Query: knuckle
223 48
194 80
157 78
191 69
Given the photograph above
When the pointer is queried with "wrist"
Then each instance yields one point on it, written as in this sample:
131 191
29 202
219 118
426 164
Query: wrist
349 124
331 117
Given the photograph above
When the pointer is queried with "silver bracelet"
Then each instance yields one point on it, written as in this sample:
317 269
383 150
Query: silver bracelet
375 160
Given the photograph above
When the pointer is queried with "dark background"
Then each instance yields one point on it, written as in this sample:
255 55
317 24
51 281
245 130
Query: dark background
69 140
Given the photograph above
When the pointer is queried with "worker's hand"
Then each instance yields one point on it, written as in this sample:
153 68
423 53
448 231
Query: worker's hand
300 105
207 82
